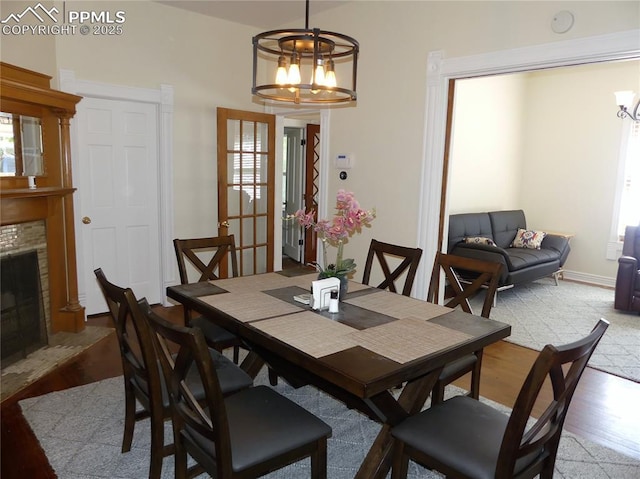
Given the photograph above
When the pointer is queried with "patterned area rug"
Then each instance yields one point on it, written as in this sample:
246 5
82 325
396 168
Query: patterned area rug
62 347
542 313
80 430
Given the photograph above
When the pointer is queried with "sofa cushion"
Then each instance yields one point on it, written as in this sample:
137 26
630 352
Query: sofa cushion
479 240
468 224
528 239
505 225
526 257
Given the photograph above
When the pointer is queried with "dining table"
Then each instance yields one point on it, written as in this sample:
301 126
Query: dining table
381 353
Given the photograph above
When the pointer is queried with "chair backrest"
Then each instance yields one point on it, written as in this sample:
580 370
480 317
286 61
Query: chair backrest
179 348
478 275
410 259
136 345
194 249
564 366
631 245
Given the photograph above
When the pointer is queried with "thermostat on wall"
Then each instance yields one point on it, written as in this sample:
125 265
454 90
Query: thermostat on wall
344 161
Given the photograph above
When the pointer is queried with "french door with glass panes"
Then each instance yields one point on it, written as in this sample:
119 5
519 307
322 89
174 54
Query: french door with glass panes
246 177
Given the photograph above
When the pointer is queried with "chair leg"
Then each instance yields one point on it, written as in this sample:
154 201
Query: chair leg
236 354
273 377
474 392
400 466
157 446
129 418
437 393
319 460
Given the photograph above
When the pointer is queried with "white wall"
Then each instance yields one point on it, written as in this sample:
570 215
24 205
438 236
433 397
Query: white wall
571 156
487 136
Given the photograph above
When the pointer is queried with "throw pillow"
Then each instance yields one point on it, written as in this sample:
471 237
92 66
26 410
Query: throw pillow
528 239
479 240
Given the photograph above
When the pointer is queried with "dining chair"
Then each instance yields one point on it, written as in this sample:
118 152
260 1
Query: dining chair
195 252
143 381
409 260
465 438
480 276
244 435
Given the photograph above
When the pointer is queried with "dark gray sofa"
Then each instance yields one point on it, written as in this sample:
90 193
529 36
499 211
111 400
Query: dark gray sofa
520 265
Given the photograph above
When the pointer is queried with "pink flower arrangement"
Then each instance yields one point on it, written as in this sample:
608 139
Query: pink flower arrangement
348 220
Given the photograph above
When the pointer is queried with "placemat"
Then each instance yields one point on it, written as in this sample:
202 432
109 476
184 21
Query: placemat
309 332
250 306
257 282
398 306
407 339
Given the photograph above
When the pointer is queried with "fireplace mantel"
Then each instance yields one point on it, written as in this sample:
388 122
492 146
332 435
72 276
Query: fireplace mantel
26 92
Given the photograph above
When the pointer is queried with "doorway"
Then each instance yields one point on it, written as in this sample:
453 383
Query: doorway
155 107
301 167
442 73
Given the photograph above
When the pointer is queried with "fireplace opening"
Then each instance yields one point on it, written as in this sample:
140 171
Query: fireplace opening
23 324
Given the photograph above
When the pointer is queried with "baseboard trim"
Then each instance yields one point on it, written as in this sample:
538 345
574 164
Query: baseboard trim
596 280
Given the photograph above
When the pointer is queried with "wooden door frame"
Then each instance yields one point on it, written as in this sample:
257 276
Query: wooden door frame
272 199
163 99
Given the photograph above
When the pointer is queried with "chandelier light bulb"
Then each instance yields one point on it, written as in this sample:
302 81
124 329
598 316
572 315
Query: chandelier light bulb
319 75
294 77
281 73
330 79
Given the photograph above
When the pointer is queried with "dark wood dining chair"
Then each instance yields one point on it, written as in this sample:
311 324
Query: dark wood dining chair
409 260
479 276
217 249
244 435
465 438
143 382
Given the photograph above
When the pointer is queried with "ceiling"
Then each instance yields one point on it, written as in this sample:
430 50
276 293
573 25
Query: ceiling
264 14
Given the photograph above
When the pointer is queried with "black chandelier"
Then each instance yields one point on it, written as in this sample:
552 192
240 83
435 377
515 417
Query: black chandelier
284 59
624 99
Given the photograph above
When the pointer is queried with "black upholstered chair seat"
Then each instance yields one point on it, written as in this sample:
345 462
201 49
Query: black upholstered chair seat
265 425
212 332
464 363
460 433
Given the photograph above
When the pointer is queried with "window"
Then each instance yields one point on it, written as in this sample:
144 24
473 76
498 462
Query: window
629 183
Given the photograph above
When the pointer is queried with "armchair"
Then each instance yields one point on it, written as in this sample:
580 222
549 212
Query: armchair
627 296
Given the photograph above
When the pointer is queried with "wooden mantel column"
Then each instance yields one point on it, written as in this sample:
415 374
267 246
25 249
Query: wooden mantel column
73 308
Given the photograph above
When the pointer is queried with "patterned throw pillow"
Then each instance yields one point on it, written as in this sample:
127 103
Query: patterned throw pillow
479 240
528 239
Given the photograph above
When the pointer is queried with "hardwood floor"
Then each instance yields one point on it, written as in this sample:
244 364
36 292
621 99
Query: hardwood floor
604 408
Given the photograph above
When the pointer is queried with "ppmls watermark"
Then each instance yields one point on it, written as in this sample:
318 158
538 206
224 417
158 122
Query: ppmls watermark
38 20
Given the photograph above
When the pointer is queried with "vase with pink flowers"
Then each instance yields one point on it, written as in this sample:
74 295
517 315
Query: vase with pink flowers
348 220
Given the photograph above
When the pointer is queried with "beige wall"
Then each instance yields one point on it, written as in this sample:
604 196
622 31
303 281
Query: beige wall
562 169
208 63
487 136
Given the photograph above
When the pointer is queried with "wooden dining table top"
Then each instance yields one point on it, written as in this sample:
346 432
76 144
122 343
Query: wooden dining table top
377 341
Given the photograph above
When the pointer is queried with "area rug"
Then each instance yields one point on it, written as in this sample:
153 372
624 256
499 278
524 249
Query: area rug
542 313
62 347
80 430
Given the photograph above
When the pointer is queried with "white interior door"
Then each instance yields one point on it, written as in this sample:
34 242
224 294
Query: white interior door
293 182
119 197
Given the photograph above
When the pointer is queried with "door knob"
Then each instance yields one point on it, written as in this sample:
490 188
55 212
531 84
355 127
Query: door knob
224 224
86 220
